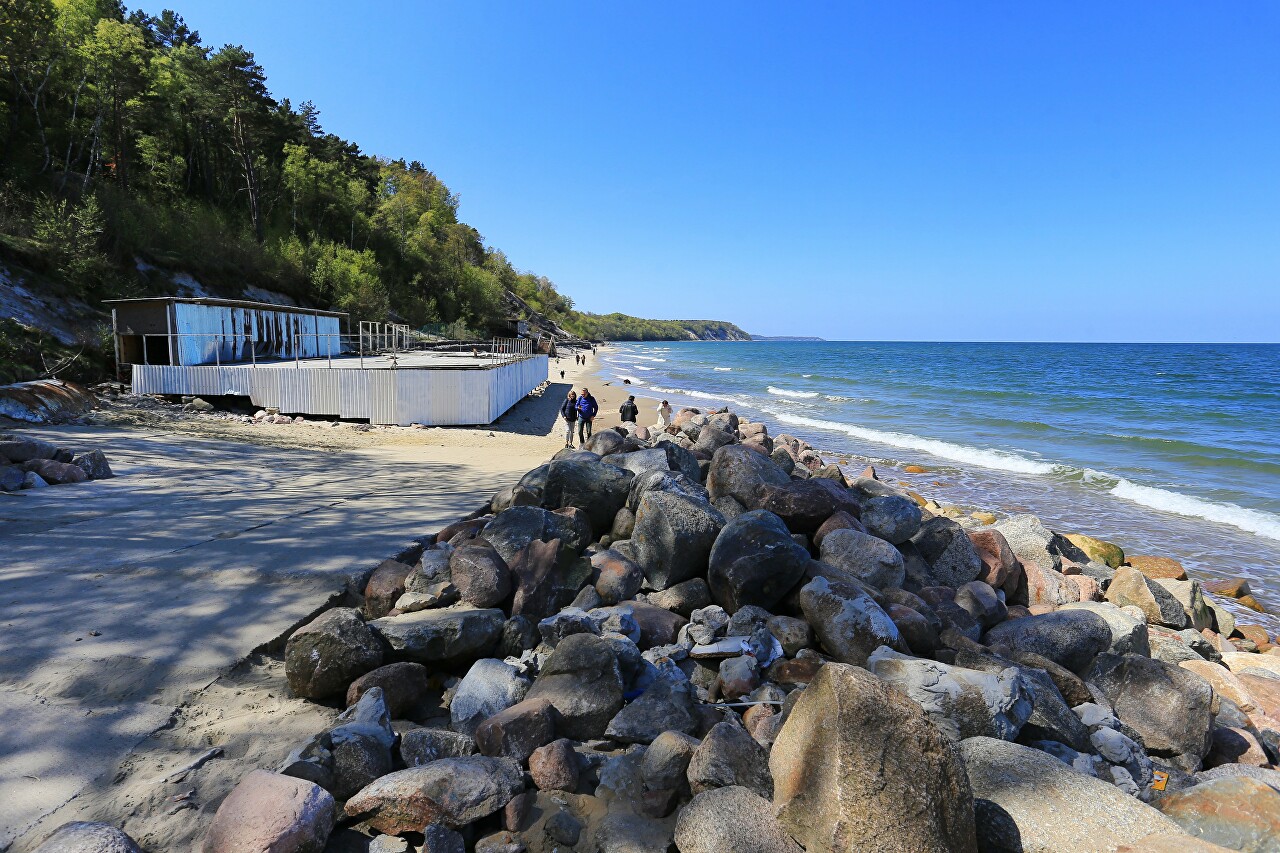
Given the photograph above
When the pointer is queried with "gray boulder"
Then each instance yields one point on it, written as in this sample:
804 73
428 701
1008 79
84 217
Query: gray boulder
950 554
449 636
961 702
673 537
451 791
742 474
1128 635
666 762
581 679
267 811
732 819
490 686
848 623
664 481
1071 638
597 489
893 518
480 574
329 652
729 756
94 464
82 837
1169 707
513 529
667 705
423 746
869 558
754 561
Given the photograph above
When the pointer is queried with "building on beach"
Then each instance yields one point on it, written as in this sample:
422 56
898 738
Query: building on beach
302 361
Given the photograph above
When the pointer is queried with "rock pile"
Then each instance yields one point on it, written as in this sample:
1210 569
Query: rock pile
709 639
29 463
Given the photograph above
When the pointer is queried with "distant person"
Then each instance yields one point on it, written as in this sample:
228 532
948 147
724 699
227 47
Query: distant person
562 374
664 415
587 411
569 411
629 410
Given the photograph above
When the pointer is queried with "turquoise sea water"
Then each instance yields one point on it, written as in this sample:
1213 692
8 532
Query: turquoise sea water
1165 449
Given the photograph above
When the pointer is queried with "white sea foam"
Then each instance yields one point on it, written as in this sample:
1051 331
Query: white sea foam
1250 520
807 375
787 392
997 459
702 395
640 367
631 379
648 357
722 368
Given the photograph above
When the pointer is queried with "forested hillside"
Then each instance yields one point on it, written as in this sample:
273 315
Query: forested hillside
131 150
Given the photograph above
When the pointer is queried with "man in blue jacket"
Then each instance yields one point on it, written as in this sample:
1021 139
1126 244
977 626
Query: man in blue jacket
587 409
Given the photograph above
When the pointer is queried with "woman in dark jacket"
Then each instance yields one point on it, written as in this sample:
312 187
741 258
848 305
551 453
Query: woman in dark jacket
569 411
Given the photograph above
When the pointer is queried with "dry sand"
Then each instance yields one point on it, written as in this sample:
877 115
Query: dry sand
242 707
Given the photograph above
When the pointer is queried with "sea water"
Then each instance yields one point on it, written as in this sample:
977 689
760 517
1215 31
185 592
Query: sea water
1165 449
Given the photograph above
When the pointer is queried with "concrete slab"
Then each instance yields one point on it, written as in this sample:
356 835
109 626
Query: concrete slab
119 599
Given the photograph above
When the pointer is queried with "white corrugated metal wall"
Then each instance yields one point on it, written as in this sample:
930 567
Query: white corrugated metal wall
433 396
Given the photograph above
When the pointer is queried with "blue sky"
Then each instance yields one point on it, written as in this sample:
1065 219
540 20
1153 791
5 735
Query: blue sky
889 171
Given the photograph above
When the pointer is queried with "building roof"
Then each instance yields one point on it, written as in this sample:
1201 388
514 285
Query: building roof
225 303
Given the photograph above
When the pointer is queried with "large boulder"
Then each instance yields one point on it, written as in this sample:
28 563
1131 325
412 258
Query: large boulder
673 537
18 450
1238 813
451 791
481 575
513 529
729 756
1069 638
804 504
1130 587
1194 604
324 656
893 518
517 731
945 547
449 636
56 473
754 561
848 622
1168 706
869 558
742 474
267 811
961 702
732 819
857 766
664 481
1128 634
582 680
83 837
543 582
490 686
597 489
403 686
666 705
1047 806
1032 542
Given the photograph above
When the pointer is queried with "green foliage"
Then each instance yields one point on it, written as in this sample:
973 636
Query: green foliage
127 145
622 327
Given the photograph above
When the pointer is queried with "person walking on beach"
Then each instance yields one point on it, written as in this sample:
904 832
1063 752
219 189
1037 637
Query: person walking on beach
562 374
587 410
629 410
664 415
569 411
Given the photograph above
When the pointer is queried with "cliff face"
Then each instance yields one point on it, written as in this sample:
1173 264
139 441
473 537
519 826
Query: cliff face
622 327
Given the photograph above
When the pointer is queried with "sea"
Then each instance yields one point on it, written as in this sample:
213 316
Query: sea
1165 449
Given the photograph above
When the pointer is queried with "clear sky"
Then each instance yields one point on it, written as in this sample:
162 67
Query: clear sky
892 170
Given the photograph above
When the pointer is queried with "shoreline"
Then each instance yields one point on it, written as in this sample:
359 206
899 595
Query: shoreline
922 480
